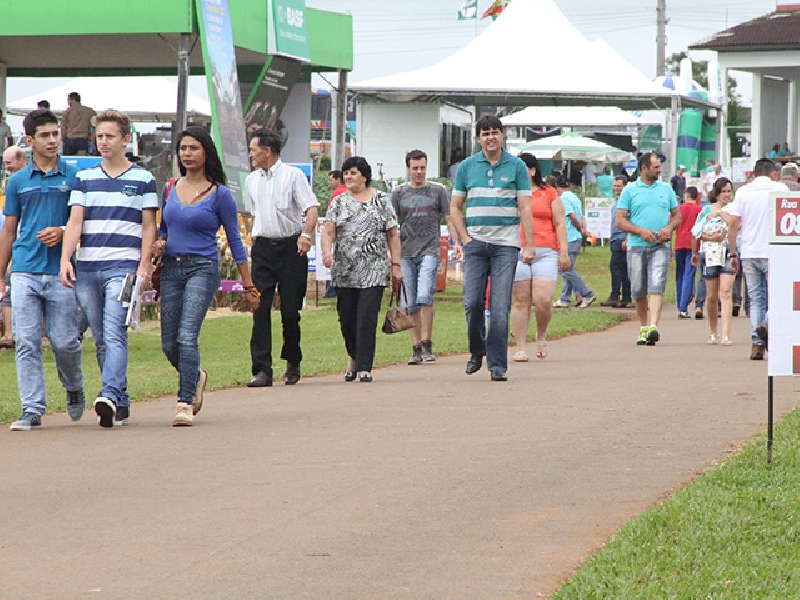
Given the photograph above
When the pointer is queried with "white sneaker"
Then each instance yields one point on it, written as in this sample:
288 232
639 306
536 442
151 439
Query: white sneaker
586 302
183 415
560 304
197 403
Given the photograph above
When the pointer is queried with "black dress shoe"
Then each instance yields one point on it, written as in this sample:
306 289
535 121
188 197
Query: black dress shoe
260 379
499 375
350 376
474 364
292 374
366 378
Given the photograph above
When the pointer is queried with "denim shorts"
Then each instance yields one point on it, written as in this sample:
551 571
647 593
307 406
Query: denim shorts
419 279
715 271
647 269
544 266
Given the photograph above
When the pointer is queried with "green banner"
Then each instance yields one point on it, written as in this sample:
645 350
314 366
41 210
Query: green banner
291 29
219 60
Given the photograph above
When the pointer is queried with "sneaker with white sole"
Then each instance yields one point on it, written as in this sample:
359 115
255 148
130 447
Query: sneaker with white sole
76 403
586 302
642 339
106 411
561 304
28 421
197 402
183 415
122 416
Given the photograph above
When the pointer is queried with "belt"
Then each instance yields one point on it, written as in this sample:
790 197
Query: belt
274 241
188 258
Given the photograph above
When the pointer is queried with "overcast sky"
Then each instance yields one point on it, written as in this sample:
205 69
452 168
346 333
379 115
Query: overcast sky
398 35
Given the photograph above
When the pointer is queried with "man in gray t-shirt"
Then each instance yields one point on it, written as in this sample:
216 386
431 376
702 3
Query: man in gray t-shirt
420 205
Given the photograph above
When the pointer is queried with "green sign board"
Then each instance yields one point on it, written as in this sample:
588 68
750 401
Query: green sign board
291 29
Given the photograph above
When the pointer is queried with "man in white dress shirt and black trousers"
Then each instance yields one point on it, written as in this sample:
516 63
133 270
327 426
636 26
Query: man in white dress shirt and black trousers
278 196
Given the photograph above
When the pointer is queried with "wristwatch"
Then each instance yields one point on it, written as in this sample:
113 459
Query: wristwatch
306 235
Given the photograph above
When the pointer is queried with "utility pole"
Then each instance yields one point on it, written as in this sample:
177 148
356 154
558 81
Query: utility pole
661 38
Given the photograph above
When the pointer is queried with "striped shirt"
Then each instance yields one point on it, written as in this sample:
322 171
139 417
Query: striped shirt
493 192
278 199
112 225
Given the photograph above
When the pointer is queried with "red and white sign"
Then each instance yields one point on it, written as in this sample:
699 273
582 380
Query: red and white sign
785 221
784 285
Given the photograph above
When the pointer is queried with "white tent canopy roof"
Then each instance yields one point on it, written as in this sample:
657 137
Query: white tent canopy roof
141 98
574 116
494 68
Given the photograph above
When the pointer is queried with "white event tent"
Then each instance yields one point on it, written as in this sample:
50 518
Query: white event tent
143 99
575 116
522 59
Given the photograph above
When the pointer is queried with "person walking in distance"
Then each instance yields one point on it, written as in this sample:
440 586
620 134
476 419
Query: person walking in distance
37 205
285 219
496 189
648 212
685 266
620 296
419 205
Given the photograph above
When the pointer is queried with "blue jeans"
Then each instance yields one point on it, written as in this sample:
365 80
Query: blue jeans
187 290
684 278
481 261
572 282
620 282
38 297
756 273
97 295
419 279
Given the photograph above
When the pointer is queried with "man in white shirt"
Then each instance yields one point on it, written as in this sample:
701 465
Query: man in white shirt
751 215
278 196
711 179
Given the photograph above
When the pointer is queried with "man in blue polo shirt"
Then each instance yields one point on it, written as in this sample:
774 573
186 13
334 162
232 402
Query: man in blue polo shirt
497 192
36 201
648 212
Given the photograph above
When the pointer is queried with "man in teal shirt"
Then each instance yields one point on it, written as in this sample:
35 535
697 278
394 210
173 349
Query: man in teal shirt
648 212
496 189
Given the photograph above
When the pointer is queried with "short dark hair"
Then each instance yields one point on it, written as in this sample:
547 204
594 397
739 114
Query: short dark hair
646 159
360 163
75 96
214 171
622 178
43 104
336 175
562 182
692 191
763 166
267 138
487 122
415 155
37 118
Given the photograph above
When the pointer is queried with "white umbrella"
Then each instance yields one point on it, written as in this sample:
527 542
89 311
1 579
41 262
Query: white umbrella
573 146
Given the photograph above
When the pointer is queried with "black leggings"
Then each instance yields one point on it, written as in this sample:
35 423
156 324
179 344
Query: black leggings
358 317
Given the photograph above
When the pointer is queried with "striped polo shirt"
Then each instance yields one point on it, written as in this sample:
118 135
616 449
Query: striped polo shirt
112 225
492 193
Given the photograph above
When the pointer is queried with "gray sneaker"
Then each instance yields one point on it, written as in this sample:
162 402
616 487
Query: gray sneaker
427 351
416 355
76 402
122 416
26 422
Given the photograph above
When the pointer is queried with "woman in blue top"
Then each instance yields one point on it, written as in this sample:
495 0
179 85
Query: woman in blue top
193 210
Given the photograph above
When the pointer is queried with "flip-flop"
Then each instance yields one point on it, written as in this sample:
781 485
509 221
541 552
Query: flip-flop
521 356
541 349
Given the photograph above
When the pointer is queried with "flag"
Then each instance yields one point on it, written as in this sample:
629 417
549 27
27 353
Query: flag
495 8
468 11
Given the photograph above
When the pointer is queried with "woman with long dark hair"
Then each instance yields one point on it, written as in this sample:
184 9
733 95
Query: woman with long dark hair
535 283
363 225
711 228
194 208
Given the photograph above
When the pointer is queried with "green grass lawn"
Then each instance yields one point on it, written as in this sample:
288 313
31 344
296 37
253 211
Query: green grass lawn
224 345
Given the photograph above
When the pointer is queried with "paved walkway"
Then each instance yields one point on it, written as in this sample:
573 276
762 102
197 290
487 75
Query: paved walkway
425 484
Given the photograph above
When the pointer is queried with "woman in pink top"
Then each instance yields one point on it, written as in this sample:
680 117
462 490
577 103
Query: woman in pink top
535 283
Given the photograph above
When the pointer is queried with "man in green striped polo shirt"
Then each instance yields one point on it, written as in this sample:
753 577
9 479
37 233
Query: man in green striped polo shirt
497 191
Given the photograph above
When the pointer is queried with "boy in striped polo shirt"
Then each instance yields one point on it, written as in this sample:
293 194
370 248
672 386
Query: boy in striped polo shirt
497 191
114 216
